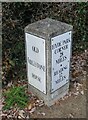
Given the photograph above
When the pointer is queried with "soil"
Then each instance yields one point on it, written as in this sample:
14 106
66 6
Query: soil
72 107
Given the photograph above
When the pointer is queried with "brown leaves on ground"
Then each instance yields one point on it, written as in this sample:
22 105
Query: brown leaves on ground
78 65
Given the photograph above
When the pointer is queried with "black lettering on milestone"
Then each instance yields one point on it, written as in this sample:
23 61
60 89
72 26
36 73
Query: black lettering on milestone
56 45
61 54
35 64
36 77
66 41
61 59
35 49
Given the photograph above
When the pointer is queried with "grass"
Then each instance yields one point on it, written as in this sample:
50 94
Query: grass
15 96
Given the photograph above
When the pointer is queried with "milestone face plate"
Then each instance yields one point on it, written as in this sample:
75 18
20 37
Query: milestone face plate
60 46
36 63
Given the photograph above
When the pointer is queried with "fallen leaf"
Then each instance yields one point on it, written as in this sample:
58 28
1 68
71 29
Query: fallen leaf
71 116
75 84
32 110
21 114
75 74
70 93
10 116
19 117
77 88
30 106
79 85
82 92
37 101
41 104
62 98
2 115
9 84
43 114
76 93
66 96
57 102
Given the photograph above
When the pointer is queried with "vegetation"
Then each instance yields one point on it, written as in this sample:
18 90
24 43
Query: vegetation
17 15
15 96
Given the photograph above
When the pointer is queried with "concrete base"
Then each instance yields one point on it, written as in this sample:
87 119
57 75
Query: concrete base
50 98
52 101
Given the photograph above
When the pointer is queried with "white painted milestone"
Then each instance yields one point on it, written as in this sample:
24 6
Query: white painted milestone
60 46
36 63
